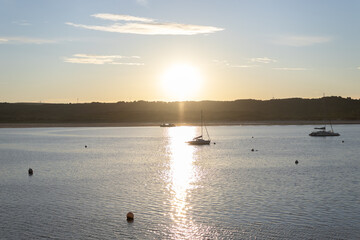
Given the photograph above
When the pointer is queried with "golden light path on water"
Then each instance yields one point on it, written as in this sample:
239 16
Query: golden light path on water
182 178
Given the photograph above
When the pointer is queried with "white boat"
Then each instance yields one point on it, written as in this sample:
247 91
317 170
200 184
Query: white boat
200 140
324 133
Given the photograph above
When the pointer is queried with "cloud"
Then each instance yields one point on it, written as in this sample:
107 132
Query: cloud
22 23
243 66
291 69
115 17
263 60
301 41
221 62
142 2
145 26
227 64
25 40
103 59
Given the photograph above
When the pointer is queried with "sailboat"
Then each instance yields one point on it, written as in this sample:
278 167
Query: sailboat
200 140
322 131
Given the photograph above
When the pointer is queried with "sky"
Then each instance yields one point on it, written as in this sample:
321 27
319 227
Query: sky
64 51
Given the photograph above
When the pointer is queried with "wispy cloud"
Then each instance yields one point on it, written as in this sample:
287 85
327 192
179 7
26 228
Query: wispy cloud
263 60
243 66
221 62
116 17
227 64
145 26
103 59
22 23
301 41
142 2
25 40
291 69
249 64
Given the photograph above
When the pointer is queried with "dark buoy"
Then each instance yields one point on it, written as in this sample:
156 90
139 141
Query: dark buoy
252 150
252 137
130 217
214 143
343 141
30 171
296 161
85 146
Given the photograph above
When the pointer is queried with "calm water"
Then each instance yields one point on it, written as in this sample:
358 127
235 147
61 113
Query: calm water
176 191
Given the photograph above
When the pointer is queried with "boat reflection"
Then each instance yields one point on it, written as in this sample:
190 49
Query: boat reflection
182 178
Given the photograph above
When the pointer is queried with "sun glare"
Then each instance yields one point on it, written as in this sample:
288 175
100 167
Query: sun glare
181 82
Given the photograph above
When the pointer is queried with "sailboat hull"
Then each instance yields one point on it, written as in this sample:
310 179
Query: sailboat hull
199 142
324 134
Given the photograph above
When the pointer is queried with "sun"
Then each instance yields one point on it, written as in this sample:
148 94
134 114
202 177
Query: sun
181 82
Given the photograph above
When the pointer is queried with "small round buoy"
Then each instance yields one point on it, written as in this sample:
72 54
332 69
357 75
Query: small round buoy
343 141
30 171
296 161
130 217
85 146
214 143
252 137
252 150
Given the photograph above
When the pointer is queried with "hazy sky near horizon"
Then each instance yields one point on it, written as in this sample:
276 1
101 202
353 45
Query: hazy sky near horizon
120 50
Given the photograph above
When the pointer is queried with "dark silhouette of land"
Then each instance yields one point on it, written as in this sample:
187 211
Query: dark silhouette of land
293 110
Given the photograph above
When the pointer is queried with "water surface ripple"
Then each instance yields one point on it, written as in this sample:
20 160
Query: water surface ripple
177 191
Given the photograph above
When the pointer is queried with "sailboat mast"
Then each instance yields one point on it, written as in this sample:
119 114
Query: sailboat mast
201 123
207 133
331 126
324 110
204 126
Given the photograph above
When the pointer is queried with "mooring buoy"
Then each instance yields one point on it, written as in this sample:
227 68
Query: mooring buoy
296 161
130 217
30 171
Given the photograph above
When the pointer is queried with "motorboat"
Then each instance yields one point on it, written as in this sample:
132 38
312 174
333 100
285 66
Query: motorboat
323 133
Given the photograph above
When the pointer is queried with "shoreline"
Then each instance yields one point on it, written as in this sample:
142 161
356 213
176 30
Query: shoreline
155 124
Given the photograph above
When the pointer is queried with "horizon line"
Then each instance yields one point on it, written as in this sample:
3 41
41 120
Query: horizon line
180 101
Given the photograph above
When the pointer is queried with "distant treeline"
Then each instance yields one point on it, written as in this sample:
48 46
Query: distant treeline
293 109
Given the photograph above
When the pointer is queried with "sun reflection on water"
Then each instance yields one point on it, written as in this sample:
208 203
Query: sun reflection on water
182 178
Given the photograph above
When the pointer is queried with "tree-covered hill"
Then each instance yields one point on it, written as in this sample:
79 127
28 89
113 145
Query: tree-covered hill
293 109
